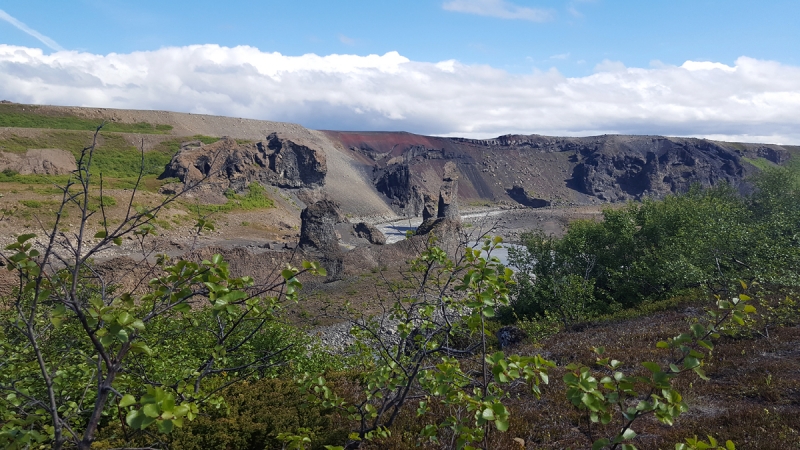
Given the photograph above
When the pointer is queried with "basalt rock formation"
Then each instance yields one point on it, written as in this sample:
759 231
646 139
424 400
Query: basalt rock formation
622 169
318 229
226 164
586 170
318 235
429 210
448 194
447 224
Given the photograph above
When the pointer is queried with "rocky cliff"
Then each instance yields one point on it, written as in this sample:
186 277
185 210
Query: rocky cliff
536 171
226 164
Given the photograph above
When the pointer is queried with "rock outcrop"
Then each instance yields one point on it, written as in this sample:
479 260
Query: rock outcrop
370 233
563 170
429 210
624 171
519 194
318 236
48 161
448 194
447 224
510 335
318 228
228 165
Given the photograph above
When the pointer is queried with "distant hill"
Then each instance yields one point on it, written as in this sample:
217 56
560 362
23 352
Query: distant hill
385 174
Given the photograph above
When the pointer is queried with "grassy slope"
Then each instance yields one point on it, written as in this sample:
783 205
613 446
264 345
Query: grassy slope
25 116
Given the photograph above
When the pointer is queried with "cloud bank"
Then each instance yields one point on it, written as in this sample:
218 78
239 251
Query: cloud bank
753 100
498 8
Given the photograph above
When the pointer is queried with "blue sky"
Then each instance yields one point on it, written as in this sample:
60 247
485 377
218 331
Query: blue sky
555 52
573 37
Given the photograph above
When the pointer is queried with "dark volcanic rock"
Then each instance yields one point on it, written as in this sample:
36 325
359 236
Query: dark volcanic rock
370 233
447 225
568 170
317 231
294 164
623 169
394 181
448 194
519 195
429 210
318 236
227 165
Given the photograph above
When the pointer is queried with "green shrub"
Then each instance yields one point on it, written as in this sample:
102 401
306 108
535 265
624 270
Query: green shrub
257 412
652 250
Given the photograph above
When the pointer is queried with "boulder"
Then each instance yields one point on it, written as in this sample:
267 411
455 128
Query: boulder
370 233
318 236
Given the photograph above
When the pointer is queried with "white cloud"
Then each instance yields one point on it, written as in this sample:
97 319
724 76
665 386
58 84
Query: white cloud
752 100
21 26
561 56
499 8
707 65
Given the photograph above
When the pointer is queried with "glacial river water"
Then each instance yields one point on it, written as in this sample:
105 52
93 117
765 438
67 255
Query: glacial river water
396 231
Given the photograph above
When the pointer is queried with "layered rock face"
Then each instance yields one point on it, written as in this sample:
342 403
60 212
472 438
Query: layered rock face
225 164
620 170
564 170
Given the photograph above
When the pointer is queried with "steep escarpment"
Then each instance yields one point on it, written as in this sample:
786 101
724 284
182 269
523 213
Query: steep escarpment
537 171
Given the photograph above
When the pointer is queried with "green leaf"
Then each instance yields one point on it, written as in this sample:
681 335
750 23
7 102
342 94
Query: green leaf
141 347
600 444
652 367
151 410
133 419
165 426
628 434
502 425
100 235
24 237
127 400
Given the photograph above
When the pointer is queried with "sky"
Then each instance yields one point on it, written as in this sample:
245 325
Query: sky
475 68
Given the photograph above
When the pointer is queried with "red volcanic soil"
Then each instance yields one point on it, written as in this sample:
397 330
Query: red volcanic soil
387 142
